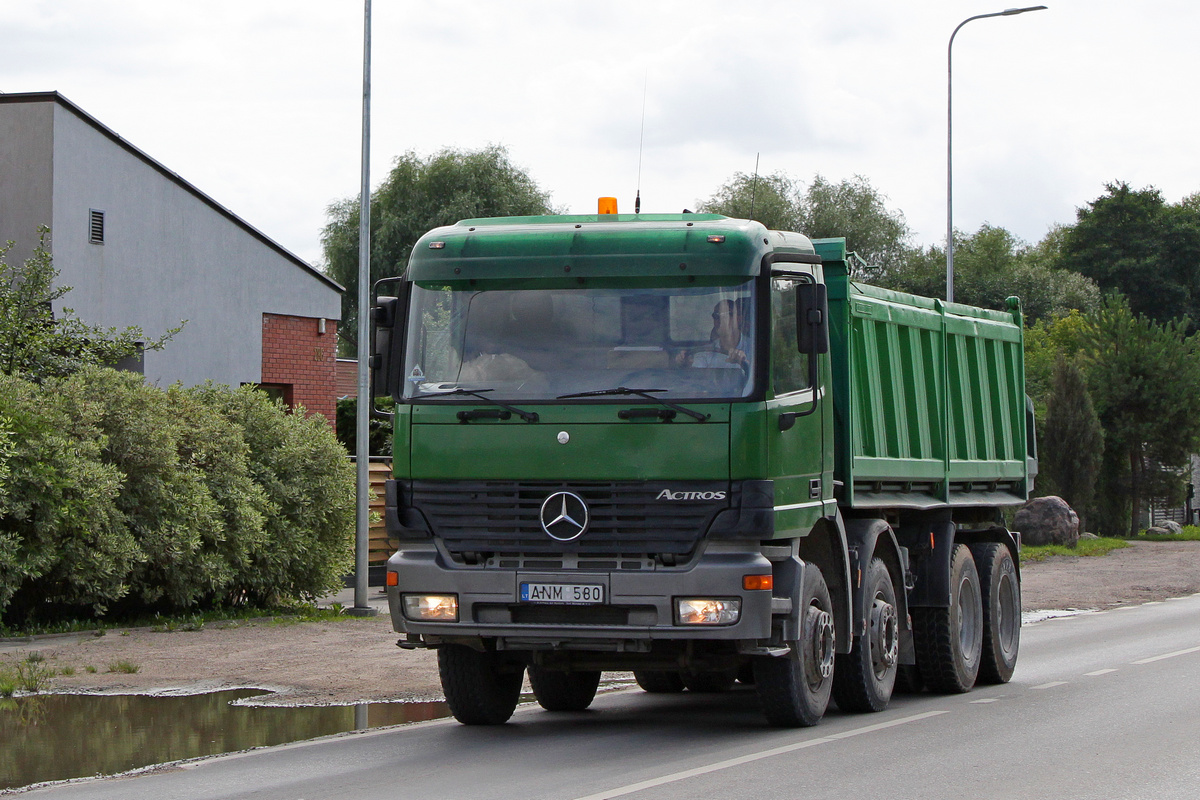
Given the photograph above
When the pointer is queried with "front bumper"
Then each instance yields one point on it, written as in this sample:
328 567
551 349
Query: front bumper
639 604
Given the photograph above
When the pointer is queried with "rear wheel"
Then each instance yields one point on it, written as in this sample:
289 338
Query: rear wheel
864 678
658 681
949 641
711 682
563 691
480 688
1001 593
794 689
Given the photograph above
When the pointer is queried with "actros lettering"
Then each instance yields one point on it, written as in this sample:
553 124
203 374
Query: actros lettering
667 494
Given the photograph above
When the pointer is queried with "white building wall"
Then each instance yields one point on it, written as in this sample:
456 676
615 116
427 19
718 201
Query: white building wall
173 257
26 167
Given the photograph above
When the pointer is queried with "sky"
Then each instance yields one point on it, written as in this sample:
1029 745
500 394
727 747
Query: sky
258 103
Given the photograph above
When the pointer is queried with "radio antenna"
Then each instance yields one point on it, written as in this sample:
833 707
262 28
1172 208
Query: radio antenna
754 185
637 201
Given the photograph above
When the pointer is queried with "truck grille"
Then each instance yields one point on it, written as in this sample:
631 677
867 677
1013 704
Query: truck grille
625 518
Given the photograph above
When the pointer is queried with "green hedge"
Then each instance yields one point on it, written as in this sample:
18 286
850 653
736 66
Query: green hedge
123 495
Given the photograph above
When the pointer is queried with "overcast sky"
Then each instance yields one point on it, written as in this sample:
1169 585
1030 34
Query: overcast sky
259 102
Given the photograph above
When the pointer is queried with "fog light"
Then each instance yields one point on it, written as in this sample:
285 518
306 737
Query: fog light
708 611
431 607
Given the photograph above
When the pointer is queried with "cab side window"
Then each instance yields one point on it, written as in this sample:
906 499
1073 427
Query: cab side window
789 367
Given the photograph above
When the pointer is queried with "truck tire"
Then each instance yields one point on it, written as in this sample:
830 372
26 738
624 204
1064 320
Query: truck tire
909 680
864 678
563 691
658 681
1001 591
711 682
794 689
949 641
480 689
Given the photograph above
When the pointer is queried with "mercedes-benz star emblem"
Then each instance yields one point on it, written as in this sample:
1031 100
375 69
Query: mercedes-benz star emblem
564 516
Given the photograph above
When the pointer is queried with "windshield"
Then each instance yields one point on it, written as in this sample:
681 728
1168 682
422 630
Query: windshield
528 344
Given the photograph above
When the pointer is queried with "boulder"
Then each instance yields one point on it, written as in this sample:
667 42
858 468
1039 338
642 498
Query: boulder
1047 520
1173 528
1157 530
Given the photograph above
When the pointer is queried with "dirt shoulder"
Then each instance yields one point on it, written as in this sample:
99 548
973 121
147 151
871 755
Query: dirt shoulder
355 660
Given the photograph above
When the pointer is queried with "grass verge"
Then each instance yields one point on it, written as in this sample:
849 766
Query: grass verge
186 621
1085 547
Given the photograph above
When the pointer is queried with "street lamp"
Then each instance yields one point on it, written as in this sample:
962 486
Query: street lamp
1008 12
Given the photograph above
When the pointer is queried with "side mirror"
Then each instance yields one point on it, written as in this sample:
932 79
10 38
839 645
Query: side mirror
387 346
812 319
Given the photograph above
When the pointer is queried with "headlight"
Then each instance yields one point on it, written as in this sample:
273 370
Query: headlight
707 611
431 607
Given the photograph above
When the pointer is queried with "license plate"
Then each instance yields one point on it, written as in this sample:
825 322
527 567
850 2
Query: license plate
573 593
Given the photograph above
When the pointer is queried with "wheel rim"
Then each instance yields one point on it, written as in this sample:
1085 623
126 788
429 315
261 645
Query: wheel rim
969 623
819 666
885 636
1009 613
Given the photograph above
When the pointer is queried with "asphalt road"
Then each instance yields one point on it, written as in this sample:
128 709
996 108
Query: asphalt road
1103 705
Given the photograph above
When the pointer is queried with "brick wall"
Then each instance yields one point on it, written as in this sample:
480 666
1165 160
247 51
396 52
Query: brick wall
295 354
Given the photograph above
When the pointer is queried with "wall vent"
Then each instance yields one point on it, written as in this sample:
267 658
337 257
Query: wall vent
95 226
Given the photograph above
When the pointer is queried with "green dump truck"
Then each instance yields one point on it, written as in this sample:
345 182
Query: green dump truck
694 448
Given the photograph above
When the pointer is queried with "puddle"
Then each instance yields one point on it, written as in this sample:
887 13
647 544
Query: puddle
51 737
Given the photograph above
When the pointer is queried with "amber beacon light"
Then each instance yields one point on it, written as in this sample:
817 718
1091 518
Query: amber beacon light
607 205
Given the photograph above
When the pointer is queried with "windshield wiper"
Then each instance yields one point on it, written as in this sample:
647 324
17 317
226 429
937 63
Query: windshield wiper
528 416
646 393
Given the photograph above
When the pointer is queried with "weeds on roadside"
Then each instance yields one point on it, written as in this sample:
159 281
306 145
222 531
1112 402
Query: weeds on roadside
67 671
30 674
89 669
124 666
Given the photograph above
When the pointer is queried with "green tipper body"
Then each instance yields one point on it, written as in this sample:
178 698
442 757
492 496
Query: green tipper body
929 398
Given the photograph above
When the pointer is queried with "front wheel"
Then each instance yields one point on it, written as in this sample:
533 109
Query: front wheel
480 688
1001 612
563 691
949 641
864 678
794 689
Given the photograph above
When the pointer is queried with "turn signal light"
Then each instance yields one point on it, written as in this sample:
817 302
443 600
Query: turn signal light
754 583
393 578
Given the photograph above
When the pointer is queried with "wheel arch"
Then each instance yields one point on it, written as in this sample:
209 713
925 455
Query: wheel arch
825 546
875 538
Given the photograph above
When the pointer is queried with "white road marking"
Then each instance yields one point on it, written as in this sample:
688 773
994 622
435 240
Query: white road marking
621 791
1168 655
984 700
1098 672
1049 685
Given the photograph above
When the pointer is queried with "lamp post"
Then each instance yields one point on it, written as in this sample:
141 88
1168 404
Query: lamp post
1008 12
361 431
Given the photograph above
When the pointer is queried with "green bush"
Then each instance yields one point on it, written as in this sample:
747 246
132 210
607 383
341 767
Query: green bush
309 484
63 538
164 499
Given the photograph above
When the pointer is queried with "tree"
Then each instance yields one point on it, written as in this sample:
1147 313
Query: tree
856 210
1073 442
1144 378
1133 241
991 265
851 208
34 343
774 200
420 194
